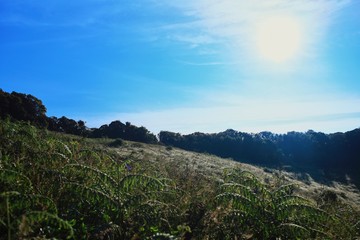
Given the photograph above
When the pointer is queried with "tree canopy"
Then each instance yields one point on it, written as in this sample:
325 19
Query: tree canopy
25 107
337 152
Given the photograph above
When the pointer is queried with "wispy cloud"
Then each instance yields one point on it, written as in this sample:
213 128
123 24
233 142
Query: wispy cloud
232 21
81 13
282 115
246 97
193 40
211 20
203 22
206 63
231 25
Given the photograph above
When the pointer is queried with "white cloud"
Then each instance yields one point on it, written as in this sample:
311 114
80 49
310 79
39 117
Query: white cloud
256 99
232 21
282 115
193 40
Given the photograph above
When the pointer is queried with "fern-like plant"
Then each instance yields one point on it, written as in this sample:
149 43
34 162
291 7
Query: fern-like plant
127 201
27 215
256 210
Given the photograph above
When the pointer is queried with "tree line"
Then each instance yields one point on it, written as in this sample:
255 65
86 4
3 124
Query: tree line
25 107
331 153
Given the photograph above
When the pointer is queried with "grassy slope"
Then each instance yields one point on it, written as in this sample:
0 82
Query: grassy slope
200 174
50 182
179 162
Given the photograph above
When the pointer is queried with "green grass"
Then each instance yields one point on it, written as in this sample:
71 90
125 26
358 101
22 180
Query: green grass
67 187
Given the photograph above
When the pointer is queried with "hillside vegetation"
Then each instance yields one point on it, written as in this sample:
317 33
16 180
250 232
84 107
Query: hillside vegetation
68 187
26 107
324 156
336 155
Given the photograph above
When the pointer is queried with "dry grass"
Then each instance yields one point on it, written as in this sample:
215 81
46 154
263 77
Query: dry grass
211 167
94 187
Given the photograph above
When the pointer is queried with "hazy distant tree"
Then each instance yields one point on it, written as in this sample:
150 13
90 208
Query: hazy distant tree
170 138
127 131
116 129
100 132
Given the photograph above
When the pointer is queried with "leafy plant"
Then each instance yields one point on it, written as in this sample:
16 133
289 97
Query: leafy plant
251 208
65 187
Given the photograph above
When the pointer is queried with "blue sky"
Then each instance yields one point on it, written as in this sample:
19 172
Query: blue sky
189 65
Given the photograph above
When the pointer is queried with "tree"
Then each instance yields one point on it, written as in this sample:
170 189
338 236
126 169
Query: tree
23 107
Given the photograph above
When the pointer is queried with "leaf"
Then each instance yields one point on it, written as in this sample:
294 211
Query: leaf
17 180
294 230
35 217
134 181
92 171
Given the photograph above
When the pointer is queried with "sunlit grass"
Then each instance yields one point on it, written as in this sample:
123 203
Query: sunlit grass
62 186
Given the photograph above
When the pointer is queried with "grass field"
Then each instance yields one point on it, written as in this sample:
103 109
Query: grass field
66 187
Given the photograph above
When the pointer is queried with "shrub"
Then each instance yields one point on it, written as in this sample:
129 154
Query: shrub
116 143
248 207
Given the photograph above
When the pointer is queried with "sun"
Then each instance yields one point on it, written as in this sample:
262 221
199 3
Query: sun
278 38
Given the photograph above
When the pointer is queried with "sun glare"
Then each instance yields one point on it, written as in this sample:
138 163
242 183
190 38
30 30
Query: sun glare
278 38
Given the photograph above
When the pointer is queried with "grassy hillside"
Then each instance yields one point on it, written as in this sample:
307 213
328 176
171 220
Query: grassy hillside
61 186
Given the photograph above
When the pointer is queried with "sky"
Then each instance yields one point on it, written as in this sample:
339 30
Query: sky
188 65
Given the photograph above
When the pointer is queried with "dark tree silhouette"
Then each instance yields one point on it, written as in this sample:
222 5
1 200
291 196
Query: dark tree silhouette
335 154
25 107
127 131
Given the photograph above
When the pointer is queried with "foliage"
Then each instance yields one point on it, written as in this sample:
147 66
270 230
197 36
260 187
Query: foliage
55 186
335 154
249 208
228 144
22 107
127 131
59 186
25 107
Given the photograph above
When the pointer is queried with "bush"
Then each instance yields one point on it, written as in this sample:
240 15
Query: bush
116 143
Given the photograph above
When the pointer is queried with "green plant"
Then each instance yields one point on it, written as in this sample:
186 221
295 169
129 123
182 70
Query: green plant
134 199
32 215
60 186
56 186
116 143
248 207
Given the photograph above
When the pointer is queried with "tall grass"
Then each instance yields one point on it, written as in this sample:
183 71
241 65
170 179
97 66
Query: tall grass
58 186
66 187
248 208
